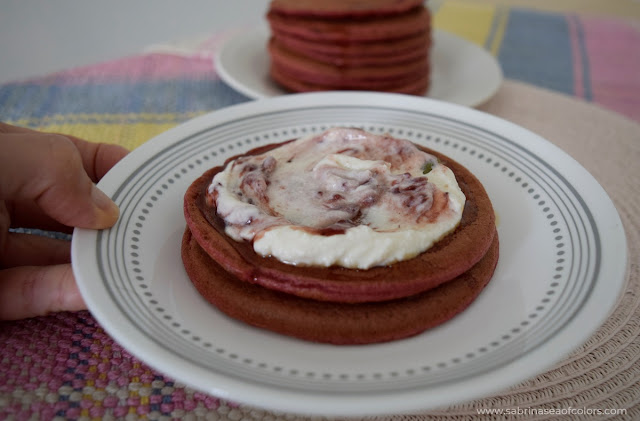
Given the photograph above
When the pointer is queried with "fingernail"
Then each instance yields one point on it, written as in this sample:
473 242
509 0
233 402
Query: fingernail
106 205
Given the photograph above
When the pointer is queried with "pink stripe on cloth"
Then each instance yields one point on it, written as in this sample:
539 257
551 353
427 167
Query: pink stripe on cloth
138 68
613 51
193 62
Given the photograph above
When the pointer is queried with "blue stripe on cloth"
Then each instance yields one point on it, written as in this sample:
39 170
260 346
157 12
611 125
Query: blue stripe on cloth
33 100
537 49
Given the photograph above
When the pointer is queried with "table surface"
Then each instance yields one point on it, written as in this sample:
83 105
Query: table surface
572 76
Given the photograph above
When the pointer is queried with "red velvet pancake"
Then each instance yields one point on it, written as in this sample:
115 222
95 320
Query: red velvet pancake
448 258
386 28
360 60
329 322
343 8
356 49
364 77
412 87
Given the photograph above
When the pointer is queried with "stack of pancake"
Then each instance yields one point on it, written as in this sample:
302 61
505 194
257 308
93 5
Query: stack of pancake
336 304
376 45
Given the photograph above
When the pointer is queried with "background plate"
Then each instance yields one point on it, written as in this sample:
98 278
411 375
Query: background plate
461 72
561 267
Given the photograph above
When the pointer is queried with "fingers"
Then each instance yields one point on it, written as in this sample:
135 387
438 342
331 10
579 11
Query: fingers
97 158
30 291
33 250
49 170
47 181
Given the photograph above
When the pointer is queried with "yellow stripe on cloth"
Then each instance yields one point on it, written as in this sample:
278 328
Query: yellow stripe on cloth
499 27
128 135
128 130
468 19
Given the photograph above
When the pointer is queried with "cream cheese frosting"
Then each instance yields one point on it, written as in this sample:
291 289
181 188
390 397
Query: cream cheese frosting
343 197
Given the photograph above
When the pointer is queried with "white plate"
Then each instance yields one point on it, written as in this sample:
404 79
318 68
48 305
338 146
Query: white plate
462 72
561 268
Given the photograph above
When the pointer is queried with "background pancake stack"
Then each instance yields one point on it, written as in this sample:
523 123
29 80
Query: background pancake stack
376 45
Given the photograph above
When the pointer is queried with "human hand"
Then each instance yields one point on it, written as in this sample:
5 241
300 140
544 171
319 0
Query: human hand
47 182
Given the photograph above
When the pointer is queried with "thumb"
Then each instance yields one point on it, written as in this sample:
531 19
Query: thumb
48 169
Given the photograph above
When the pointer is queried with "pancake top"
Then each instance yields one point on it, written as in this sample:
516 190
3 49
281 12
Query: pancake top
383 28
448 258
342 8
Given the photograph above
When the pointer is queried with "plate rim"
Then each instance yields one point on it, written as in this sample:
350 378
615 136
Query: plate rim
492 84
113 323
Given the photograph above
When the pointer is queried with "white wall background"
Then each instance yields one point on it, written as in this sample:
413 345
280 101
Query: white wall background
42 36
